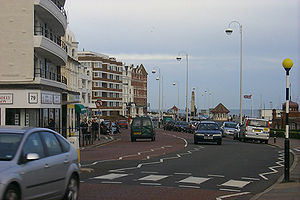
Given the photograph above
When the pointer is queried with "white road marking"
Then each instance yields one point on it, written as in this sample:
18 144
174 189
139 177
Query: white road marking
296 149
155 184
251 179
194 180
153 178
188 186
232 195
183 174
110 176
144 172
273 170
229 190
235 183
185 141
118 171
110 182
215 175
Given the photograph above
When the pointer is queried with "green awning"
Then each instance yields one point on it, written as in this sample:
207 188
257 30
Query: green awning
79 108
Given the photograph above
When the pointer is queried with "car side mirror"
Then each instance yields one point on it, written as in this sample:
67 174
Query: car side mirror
32 156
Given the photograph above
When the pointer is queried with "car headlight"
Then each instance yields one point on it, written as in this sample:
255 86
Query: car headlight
199 134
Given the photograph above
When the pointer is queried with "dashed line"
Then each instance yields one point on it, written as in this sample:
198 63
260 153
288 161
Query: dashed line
188 186
144 172
111 182
188 174
155 184
214 175
229 190
232 195
252 179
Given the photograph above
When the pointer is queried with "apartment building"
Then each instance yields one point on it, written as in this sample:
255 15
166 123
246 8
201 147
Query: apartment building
129 109
32 87
139 83
106 75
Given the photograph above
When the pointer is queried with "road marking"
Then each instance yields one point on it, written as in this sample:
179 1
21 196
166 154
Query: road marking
232 195
296 149
273 170
235 183
229 190
110 182
185 141
153 178
251 179
118 171
110 176
143 172
194 180
183 174
155 184
188 186
214 175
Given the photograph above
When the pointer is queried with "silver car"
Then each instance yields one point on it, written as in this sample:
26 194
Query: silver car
37 163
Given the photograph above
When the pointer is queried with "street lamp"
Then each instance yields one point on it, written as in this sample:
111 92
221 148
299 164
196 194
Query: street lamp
158 78
287 64
177 83
228 31
187 81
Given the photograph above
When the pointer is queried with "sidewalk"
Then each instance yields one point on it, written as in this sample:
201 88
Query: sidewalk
281 190
104 139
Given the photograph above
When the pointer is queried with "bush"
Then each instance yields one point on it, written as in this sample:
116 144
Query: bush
295 134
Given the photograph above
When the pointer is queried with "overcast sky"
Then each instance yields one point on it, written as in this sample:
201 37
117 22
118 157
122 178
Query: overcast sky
153 32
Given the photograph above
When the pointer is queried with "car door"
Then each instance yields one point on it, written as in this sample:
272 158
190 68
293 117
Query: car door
32 172
58 162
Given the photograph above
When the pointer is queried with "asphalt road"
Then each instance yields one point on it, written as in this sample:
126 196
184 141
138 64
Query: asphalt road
173 167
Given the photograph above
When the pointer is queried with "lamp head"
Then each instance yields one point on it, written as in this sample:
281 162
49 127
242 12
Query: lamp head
178 58
174 83
287 64
228 31
157 78
153 71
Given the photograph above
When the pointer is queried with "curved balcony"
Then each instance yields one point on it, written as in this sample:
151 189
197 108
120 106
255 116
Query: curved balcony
50 46
53 13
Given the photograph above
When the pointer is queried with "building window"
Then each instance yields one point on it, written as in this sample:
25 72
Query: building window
111 76
111 85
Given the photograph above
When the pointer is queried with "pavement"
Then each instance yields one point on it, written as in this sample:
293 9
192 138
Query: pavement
285 190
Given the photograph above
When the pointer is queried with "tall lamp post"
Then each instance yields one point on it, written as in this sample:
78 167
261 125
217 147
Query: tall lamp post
187 82
158 78
228 31
177 83
287 64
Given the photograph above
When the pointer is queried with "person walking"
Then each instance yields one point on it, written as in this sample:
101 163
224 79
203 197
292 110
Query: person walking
95 129
83 129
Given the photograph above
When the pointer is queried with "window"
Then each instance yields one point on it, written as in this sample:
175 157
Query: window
117 86
52 144
34 144
111 85
98 84
111 104
111 76
117 77
64 144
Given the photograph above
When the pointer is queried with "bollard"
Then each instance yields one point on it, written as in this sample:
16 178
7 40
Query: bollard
274 137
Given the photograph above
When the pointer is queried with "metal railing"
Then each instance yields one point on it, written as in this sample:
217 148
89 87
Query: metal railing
38 72
39 30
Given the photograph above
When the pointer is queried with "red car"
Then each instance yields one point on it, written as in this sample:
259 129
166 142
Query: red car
123 124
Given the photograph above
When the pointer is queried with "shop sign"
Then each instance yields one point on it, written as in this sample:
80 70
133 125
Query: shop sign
47 98
56 99
6 98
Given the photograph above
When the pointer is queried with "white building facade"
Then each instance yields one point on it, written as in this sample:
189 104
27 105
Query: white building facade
32 87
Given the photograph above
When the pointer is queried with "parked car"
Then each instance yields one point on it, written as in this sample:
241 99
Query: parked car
123 124
37 163
208 131
142 128
228 128
169 125
255 129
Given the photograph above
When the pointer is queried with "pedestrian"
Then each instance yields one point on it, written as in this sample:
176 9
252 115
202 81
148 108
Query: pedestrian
95 129
51 124
83 128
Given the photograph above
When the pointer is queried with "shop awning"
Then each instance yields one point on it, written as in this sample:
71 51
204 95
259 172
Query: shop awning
79 108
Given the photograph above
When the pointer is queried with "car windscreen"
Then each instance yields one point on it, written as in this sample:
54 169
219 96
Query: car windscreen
257 123
230 125
9 143
208 126
136 122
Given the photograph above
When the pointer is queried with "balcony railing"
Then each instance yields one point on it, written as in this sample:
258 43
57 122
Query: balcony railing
60 7
38 72
39 30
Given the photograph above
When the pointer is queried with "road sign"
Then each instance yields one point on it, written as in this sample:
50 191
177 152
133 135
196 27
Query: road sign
99 103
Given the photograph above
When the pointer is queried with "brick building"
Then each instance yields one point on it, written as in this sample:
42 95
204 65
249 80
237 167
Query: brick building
139 83
294 117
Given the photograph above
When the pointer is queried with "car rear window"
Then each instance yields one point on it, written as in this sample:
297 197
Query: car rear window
258 123
137 122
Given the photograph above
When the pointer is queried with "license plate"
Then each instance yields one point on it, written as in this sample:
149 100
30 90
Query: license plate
137 133
208 137
257 130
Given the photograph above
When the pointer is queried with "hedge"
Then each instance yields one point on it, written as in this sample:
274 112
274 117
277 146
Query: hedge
295 134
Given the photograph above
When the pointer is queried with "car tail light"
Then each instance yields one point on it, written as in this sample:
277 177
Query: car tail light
268 124
247 123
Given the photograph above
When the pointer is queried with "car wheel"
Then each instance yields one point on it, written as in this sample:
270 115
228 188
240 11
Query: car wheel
266 141
72 189
133 139
219 143
12 193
